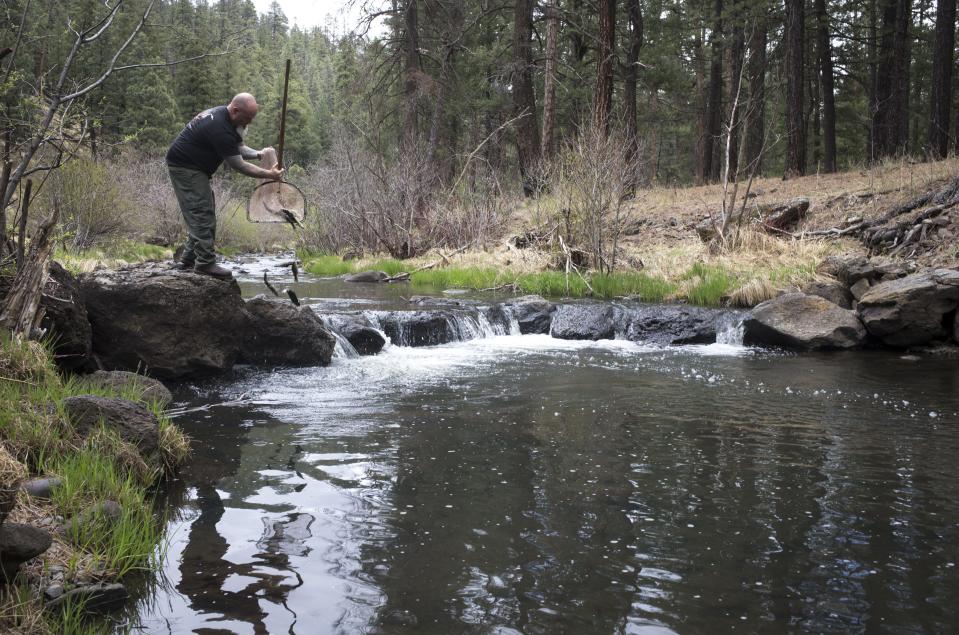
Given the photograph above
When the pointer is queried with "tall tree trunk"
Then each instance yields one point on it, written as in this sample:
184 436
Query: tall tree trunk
714 103
631 76
603 97
872 55
412 72
737 101
549 79
890 120
828 89
795 133
756 113
524 99
942 62
903 57
701 153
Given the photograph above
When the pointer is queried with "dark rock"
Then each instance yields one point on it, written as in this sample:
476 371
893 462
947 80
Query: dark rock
796 320
358 332
955 328
165 323
133 421
19 543
52 592
851 269
284 334
835 292
859 288
672 324
367 276
533 314
419 328
584 322
150 390
95 598
913 310
103 513
41 487
784 215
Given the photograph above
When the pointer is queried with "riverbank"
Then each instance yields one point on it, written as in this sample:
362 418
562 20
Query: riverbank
85 489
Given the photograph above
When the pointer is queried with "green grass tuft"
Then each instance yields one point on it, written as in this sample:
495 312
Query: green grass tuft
709 285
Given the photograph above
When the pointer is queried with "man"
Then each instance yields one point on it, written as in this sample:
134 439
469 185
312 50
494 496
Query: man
213 136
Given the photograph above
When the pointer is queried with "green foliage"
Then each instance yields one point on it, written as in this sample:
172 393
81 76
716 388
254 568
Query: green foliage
708 285
92 207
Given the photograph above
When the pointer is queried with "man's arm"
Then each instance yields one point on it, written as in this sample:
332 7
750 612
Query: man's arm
237 163
249 154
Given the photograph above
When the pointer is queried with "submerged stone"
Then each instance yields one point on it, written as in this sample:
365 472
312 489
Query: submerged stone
96 598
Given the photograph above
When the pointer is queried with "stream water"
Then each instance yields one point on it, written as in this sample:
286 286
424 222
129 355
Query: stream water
523 484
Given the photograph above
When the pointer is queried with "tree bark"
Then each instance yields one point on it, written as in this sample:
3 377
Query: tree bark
631 77
714 102
942 62
795 125
756 113
412 72
603 97
890 121
828 89
549 79
734 113
524 99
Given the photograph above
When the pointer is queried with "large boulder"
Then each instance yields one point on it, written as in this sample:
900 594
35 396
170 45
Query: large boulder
357 330
64 319
281 333
913 310
147 389
133 421
584 322
165 323
797 320
532 313
672 324
835 292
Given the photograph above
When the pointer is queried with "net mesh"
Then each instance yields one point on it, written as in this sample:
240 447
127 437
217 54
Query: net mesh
276 202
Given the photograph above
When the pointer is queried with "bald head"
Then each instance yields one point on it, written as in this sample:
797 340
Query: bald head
242 109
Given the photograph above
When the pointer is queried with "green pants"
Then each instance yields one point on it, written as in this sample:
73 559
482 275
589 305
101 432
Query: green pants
195 196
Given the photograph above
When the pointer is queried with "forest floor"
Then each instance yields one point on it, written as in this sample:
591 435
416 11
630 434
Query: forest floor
665 242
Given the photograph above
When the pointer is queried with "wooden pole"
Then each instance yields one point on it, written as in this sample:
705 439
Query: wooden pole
286 86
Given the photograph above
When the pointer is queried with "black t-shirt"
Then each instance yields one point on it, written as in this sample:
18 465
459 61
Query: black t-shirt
205 142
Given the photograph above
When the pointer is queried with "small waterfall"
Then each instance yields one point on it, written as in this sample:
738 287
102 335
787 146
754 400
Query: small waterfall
343 349
470 327
729 330
373 317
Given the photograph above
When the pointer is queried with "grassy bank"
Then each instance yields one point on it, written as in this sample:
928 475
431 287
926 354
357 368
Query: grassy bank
700 284
36 438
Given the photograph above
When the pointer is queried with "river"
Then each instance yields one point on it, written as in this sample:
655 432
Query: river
524 484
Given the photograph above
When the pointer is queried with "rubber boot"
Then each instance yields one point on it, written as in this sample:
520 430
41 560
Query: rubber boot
214 270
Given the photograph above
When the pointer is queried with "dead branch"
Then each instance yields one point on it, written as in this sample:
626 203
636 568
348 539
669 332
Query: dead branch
21 310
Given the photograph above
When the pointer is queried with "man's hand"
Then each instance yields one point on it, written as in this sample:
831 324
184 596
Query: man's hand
275 173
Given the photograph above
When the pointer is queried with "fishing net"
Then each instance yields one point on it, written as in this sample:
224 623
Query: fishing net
276 202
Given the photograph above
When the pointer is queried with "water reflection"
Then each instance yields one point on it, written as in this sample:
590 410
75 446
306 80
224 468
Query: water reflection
535 486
